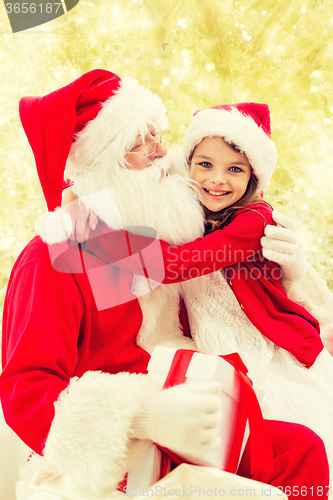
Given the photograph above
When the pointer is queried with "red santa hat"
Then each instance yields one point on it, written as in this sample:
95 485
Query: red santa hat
97 108
245 125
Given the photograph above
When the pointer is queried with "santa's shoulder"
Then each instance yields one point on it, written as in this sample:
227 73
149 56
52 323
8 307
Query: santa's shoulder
34 251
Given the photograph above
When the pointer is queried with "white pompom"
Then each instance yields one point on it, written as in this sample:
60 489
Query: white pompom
54 227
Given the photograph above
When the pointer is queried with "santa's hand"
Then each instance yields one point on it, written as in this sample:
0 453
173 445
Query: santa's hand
82 219
283 244
185 418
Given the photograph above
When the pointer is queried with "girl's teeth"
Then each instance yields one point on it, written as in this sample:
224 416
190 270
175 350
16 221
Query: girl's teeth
217 194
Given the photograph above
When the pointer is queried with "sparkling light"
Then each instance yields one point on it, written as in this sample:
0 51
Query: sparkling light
182 23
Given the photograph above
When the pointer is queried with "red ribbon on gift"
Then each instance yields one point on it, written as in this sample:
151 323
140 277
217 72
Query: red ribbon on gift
261 453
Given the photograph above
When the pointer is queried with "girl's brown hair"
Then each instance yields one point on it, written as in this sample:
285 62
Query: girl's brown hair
218 220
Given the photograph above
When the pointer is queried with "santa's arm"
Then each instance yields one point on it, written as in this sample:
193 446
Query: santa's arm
283 245
311 292
80 424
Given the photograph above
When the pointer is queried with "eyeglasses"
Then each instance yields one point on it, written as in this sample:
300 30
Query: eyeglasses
161 138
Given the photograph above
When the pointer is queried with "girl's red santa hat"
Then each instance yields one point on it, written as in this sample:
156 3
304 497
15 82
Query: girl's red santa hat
245 125
88 124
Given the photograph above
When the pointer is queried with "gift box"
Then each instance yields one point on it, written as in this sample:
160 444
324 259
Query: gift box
204 368
240 408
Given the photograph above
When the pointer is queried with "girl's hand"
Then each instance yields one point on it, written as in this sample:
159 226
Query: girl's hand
283 244
83 220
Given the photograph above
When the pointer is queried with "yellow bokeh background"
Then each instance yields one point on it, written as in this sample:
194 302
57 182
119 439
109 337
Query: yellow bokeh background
193 54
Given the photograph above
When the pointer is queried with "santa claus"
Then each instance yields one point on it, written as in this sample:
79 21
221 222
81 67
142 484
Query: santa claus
74 384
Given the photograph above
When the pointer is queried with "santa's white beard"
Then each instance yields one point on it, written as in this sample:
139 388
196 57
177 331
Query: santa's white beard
159 197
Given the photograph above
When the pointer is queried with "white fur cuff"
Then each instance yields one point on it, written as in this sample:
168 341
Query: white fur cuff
88 439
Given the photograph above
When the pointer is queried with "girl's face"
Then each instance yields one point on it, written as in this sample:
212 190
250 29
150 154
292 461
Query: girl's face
222 173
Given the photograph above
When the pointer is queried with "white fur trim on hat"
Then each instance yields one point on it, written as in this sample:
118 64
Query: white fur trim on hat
101 146
239 129
54 227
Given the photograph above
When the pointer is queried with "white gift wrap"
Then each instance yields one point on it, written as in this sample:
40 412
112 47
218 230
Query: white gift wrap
145 472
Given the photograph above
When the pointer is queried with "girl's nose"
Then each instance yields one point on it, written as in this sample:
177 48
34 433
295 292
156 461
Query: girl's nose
218 178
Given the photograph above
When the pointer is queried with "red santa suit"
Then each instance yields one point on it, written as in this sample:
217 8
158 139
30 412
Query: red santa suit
54 333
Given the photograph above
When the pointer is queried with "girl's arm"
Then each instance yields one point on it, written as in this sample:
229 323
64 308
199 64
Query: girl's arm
159 261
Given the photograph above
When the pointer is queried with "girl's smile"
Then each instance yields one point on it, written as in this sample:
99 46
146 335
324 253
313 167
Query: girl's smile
221 172
217 193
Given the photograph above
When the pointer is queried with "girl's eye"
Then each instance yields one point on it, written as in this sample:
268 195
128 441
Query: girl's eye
206 164
235 169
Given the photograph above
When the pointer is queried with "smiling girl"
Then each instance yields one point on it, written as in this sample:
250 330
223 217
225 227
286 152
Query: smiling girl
244 308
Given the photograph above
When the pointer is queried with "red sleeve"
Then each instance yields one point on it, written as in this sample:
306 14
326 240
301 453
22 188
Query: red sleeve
42 317
237 242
